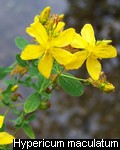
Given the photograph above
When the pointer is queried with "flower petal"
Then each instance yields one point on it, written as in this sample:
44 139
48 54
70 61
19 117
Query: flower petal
1 121
64 38
45 64
32 52
103 42
40 33
30 31
59 27
44 14
6 138
77 63
78 42
62 56
93 67
87 33
105 51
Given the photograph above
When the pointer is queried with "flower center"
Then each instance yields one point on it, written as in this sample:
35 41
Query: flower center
90 50
48 46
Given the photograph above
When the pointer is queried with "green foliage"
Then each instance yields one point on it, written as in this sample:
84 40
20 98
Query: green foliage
70 84
33 70
10 81
19 122
7 95
26 74
32 103
42 82
15 111
56 68
21 62
21 43
30 118
28 131
28 83
5 147
3 72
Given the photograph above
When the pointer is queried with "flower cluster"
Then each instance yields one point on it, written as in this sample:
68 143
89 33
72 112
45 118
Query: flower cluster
43 66
68 48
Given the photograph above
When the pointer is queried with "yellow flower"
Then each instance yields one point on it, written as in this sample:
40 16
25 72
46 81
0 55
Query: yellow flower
90 51
49 48
5 138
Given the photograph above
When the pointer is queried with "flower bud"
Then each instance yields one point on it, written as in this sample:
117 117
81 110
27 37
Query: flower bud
60 17
44 104
108 88
44 15
102 84
14 88
15 96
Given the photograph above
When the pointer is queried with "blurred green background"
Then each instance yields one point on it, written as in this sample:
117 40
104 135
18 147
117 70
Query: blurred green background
93 115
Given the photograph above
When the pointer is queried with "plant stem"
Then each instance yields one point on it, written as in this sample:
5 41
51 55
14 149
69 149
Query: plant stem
52 82
84 80
17 105
16 131
7 111
12 65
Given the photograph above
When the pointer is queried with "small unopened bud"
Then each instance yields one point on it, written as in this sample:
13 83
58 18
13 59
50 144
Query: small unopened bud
14 88
102 84
60 17
44 15
16 96
48 90
108 88
44 104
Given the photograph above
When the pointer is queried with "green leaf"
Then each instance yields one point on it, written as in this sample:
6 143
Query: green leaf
2 129
33 71
32 103
15 111
6 94
31 118
3 72
70 84
28 83
20 61
10 81
42 82
21 43
19 122
28 131
56 68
